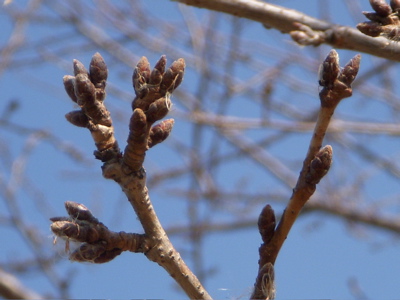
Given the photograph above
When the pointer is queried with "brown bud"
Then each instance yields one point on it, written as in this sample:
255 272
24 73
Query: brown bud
77 118
107 256
79 68
350 70
173 76
370 28
266 223
395 5
160 132
84 89
80 212
135 150
87 253
329 70
69 85
138 121
141 76
75 230
158 71
320 165
372 16
381 7
98 71
158 109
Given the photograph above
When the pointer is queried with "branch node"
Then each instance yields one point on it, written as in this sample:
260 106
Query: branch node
306 36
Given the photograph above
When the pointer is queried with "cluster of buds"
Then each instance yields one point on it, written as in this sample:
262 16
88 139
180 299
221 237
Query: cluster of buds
87 89
336 81
384 21
153 89
98 243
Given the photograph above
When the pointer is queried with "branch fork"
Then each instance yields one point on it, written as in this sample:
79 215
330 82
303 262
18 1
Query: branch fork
153 89
336 85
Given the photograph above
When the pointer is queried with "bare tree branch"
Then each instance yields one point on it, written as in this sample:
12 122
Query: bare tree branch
12 288
304 29
153 89
336 85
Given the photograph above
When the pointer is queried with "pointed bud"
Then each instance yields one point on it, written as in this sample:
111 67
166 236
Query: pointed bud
158 71
329 70
141 76
173 76
320 165
69 85
350 70
266 223
79 68
381 7
98 71
160 132
77 118
80 212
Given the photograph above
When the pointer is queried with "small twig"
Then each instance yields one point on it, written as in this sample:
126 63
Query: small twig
99 244
12 288
336 85
287 20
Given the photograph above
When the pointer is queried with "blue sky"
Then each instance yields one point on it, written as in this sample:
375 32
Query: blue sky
322 253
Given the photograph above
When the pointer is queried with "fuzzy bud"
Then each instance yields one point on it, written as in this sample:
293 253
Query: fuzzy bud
160 132
173 76
69 85
158 71
141 76
80 212
320 165
266 223
98 71
381 7
77 118
329 70
79 68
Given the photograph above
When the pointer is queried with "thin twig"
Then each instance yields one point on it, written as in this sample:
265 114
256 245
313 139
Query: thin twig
292 21
336 85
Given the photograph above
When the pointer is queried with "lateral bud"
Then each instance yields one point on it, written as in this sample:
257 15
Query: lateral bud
266 223
320 165
80 212
69 85
77 118
160 132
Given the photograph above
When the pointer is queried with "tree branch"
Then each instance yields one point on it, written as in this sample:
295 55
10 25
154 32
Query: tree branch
336 85
304 29
11 288
153 89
